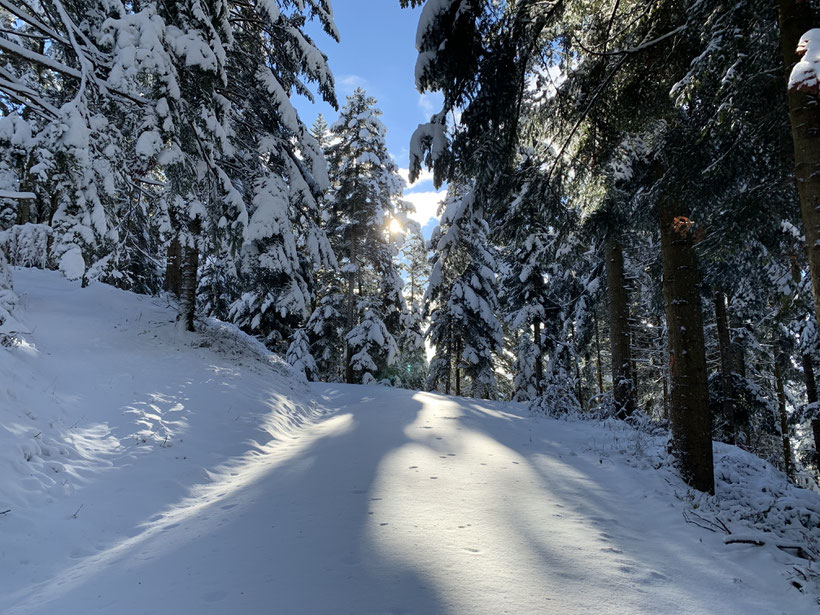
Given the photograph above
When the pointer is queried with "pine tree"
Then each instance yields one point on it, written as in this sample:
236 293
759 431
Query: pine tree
461 300
298 355
364 198
414 263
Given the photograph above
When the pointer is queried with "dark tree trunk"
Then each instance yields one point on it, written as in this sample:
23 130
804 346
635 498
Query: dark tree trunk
781 410
449 358
795 18
458 369
187 286
622 384
598 355
23 210
689 399
351 312
811 396
738 354
725 347
580 391
173 267
539 357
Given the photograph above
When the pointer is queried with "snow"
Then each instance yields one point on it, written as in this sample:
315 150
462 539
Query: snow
147 470
72 263
804 76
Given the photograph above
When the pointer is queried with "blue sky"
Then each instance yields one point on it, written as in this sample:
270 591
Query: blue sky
377 52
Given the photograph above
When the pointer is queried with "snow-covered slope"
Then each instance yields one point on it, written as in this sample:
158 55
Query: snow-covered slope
151 471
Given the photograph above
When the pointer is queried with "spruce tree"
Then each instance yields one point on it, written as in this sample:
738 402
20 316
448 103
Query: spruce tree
364 198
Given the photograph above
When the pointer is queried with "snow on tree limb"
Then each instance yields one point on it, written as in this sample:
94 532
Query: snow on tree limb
805 76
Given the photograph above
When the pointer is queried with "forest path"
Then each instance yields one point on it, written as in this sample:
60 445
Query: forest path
207 481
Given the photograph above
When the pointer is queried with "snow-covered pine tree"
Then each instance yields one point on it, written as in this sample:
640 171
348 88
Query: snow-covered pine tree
364 199
298 355
415 265
326 329
8 302
461 299
525 274
285 169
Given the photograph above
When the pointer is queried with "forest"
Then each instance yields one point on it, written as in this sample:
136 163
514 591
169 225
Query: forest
631 222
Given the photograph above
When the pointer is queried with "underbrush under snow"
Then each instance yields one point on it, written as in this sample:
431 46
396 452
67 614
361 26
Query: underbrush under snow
755 506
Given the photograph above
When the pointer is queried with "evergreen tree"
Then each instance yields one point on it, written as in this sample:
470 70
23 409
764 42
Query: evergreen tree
298 355
364 198
461 299
414 263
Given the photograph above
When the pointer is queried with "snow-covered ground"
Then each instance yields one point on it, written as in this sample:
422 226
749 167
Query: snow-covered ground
146 470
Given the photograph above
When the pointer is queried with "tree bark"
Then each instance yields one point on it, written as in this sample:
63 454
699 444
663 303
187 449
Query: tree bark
458 370
811 396
351 311
725 347
688 399
187 286
781 409
173 267
795 18
539 357
449 358
739 355
622 384
598 353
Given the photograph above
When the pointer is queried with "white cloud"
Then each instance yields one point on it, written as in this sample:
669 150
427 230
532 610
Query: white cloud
426 204
426 105
348 84
425 176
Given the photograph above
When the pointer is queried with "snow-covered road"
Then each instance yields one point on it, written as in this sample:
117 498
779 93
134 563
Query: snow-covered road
205 482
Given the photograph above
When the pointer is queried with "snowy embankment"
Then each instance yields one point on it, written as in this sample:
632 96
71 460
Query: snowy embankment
150 471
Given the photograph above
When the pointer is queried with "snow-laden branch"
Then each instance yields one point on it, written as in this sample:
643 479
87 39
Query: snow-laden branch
38 58
19 196
805 76
22 15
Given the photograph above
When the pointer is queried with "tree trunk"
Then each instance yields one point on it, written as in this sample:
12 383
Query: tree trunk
622 384
539 357
725 347
580 391
351 311
187 286
173 267
458 370
811 396
689 399
795 18
738 354
449 358
781 409
598 353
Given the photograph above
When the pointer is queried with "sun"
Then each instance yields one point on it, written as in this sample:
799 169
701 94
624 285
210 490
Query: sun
395 226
